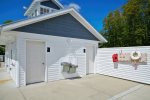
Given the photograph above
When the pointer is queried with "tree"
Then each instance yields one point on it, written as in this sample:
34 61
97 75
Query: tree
2 50
8 21
128 26
2 47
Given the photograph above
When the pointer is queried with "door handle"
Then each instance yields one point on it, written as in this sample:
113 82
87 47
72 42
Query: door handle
43 63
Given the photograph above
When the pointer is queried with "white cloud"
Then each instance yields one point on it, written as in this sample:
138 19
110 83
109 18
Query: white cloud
24 7
74 5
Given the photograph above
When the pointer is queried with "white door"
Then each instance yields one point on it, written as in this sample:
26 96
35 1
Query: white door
35 62
90 59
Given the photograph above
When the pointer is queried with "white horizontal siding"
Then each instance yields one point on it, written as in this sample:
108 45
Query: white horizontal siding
67 53
60 51
54 72
105 66
22 62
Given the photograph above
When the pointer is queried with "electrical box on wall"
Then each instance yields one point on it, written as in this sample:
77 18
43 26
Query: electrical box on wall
84 50
48 49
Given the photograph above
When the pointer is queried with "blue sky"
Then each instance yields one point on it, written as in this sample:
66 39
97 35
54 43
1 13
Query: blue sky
94 11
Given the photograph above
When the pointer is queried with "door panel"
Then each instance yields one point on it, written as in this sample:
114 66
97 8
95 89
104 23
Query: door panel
90 59
35 60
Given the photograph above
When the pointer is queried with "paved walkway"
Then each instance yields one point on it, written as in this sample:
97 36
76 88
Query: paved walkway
92 87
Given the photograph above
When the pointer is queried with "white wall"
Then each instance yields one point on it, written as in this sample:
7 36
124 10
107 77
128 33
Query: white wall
61 51
105 66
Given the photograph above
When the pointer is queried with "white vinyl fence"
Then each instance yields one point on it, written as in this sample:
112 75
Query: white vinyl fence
125 70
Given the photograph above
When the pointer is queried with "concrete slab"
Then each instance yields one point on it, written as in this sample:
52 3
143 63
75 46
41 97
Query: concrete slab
10 94
8 90
91 87
4 76
57 91
108 85
140 94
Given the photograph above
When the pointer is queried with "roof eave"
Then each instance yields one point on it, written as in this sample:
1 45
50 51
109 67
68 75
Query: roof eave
92 29
35 19
72 11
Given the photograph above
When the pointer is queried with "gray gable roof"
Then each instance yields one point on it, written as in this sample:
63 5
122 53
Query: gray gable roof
50 4
65 26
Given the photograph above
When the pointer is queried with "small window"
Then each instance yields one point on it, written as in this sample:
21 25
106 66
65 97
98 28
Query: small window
47 10
44 10
41 11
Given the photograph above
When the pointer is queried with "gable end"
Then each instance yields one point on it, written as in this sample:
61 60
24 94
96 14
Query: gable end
65 26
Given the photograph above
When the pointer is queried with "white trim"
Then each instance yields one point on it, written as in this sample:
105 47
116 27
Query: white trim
46 66
18 63
25 60
95 53
30 7
72 11
87 25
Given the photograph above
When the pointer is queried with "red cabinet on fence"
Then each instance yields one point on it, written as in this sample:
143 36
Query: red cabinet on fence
115 57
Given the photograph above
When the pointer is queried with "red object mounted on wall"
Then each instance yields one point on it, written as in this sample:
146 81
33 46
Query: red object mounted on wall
115 57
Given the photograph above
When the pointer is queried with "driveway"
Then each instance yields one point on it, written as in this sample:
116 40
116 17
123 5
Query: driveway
91 87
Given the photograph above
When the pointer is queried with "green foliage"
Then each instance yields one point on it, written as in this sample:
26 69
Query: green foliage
2 50
8 21
128 26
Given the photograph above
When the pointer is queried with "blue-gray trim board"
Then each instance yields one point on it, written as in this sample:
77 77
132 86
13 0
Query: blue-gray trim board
64 26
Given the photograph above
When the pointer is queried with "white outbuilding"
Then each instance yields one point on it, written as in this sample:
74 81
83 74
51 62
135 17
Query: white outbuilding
53 43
